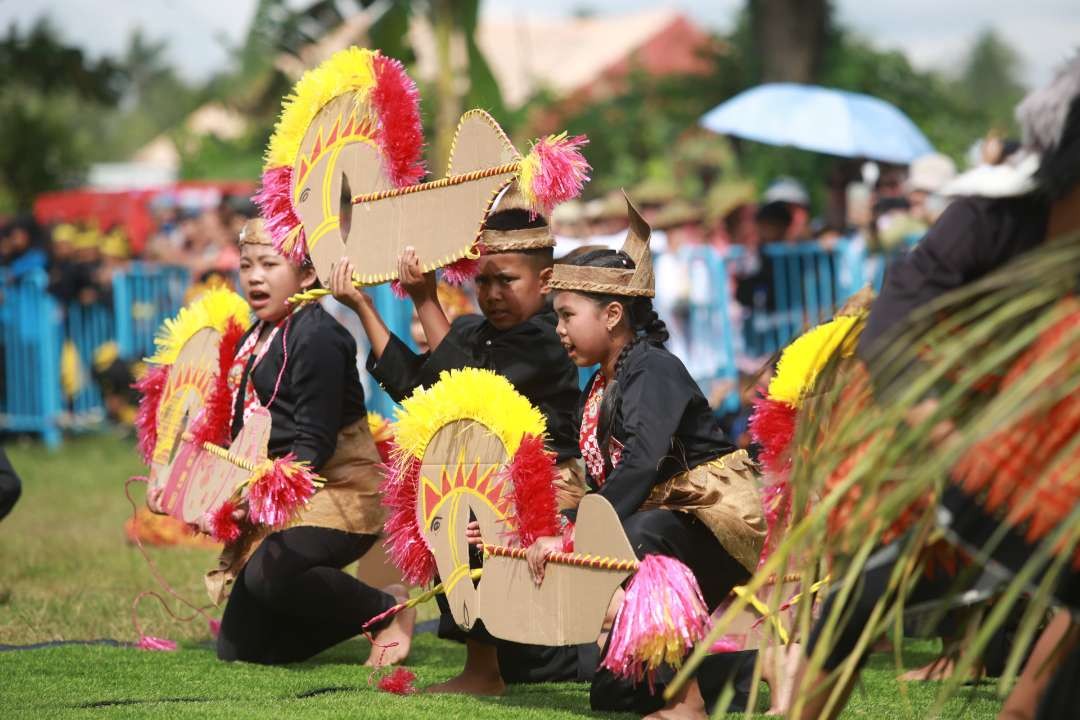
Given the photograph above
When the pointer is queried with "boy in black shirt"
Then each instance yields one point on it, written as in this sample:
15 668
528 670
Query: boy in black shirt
515 338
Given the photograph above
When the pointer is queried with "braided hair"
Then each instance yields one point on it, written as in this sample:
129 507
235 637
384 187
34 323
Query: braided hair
646 325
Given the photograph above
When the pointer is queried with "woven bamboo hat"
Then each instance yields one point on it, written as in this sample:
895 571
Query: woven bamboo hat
637 281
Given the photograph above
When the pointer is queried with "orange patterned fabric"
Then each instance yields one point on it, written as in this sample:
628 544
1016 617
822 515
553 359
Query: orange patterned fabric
1031 471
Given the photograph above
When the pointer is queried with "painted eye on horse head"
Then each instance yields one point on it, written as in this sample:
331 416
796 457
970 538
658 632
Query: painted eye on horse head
436 523
304 195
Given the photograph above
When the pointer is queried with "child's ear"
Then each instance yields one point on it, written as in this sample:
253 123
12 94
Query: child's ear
545 279
613 315
308 277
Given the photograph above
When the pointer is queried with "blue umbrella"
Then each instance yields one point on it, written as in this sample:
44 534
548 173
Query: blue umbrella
835 122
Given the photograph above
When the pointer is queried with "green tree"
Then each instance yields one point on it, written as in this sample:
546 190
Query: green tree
990 79
155 100
49 100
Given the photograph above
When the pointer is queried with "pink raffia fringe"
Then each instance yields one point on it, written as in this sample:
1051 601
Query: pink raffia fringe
223 526
280 491
150 387
401 134
277 211
405 542
662 617
772 425
726 644
532 474
149 642
456 273
554 171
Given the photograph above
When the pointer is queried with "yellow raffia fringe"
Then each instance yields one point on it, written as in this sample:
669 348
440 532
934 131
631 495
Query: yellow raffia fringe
350 70
469 394
804 358
380 428
214 308
666 648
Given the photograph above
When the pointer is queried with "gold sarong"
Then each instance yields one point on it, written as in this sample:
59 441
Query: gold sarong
349 501
723 494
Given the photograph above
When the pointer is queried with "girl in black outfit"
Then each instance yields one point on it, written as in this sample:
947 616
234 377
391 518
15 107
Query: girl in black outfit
652 446
290 598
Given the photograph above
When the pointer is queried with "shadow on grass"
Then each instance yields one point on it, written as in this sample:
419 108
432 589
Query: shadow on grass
572 698
98 704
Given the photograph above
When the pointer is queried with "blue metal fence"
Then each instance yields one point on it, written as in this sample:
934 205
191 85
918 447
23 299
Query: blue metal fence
30 354
711 338
143 297
397 314
87 328
808 283
48 350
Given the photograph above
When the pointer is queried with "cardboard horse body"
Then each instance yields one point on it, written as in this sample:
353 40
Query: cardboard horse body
343 198
195 480
343 169
459 444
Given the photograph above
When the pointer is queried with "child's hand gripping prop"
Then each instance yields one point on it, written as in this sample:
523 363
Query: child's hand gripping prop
471 446
343 166
184 422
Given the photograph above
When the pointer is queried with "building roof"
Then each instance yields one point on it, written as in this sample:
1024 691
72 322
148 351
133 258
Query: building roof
564 56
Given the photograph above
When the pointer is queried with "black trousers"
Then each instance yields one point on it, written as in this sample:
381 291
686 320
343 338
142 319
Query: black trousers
682 536
10 486
292 600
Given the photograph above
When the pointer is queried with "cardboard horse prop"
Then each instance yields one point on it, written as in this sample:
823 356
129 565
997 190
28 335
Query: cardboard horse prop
471 446
343 167
184 425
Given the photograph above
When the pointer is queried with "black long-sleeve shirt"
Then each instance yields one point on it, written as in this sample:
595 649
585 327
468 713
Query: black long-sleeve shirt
664 424
529 355
973 237
320 392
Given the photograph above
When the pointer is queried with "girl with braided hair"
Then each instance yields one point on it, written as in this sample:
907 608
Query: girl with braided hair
652 447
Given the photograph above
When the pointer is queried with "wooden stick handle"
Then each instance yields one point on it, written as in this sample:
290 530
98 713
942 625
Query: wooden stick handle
564 558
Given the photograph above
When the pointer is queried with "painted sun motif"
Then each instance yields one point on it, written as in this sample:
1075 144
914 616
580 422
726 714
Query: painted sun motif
481 481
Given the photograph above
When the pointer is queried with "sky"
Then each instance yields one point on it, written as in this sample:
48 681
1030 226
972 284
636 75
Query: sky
933 33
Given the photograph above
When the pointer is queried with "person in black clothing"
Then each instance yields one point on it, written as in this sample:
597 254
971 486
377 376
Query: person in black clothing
974 237
10 486
290 598
652 447
515 338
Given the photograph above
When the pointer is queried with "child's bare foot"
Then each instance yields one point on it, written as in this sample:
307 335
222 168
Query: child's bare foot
941 668
779 670
392 643
687 705
481 675
471 683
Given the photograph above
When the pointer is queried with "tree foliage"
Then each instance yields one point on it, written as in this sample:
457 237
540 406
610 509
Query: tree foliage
47 99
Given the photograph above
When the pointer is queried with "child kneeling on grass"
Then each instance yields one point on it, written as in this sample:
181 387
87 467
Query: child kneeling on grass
515 338
653 448
290 599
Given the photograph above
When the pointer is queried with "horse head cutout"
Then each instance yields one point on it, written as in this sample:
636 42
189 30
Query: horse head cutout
185 424
460 478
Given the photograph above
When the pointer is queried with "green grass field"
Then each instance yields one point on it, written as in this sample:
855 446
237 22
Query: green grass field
68 573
